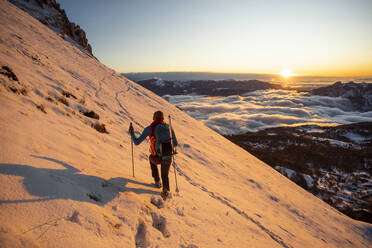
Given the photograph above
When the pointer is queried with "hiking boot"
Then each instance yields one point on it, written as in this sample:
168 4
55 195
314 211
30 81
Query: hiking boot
158 184
164 194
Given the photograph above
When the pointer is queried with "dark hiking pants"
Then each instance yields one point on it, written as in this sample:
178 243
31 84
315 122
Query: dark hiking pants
165 165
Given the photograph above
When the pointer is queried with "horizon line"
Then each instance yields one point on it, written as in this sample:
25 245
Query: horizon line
252 73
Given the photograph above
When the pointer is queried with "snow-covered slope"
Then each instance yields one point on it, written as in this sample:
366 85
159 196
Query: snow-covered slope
63 184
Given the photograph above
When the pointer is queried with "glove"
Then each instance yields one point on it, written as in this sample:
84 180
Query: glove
131 130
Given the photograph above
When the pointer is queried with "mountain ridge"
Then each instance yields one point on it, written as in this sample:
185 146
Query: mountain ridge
205 87
360 95
49 12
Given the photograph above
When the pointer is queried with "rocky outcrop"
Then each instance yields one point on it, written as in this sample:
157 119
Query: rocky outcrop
49 12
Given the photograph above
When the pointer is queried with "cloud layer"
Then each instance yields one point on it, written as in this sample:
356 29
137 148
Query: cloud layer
270 108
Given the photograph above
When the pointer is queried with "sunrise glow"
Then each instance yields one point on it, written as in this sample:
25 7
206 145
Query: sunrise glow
315 40
286 73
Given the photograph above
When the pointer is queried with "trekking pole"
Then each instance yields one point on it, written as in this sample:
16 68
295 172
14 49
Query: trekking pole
131 142
173 152
175 175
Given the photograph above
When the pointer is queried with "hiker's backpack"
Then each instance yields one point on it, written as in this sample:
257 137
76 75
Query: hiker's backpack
161 143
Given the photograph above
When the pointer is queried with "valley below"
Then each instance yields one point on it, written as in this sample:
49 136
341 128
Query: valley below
333 163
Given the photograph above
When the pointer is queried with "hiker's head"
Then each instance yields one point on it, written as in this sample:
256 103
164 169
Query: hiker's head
158 115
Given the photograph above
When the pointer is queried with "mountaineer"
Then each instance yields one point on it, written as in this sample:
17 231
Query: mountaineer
162 143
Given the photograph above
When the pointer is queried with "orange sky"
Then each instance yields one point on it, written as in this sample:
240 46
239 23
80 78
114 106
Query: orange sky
318 37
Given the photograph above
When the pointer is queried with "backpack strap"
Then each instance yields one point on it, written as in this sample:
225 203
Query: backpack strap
152 136
154 124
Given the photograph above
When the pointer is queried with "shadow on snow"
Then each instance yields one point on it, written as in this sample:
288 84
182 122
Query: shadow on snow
68 183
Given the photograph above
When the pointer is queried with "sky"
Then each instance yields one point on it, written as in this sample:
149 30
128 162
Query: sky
318 37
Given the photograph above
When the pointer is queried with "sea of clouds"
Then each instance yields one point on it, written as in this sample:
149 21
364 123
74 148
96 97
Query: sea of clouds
269 108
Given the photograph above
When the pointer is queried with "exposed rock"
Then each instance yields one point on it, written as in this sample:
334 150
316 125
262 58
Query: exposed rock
49 12
91 114
5 70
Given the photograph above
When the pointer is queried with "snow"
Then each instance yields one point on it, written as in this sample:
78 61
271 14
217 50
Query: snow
338 143
255 144
63 184
315 130
285 171
354 137
40 13
159 82
309 180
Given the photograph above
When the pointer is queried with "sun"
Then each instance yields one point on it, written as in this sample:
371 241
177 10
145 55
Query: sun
286 73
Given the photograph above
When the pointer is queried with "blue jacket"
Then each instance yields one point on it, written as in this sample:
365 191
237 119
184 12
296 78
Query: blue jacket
146 133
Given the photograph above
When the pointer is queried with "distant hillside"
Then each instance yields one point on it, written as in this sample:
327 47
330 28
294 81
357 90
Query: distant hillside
190 76
359 94
334 163
205 87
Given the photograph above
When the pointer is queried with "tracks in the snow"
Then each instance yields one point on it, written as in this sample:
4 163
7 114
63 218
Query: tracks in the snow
140 238
123 109
226 202
100 83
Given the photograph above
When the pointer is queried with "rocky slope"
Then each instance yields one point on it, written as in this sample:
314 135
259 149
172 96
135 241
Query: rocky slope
49 12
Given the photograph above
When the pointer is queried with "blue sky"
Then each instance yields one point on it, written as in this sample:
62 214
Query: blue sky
321 37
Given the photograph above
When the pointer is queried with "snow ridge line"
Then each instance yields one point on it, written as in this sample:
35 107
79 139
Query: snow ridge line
272 235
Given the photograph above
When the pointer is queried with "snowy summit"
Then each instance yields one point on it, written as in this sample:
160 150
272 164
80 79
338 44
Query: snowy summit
66 167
